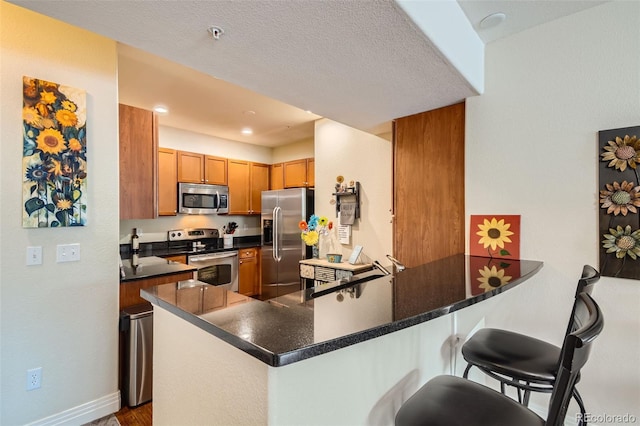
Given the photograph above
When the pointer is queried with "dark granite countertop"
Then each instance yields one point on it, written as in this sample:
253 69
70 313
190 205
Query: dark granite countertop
165 248
315 321
151 266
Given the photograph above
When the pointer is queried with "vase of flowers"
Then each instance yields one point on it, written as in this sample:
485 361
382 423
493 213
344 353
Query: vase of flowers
312 230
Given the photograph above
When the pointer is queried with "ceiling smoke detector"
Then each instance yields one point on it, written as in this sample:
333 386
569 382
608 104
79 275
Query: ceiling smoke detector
215 32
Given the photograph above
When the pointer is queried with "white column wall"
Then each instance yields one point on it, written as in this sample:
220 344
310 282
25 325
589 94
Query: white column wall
363 157
62 317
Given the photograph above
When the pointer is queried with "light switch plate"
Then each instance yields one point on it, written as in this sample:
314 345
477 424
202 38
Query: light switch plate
67 252
34 255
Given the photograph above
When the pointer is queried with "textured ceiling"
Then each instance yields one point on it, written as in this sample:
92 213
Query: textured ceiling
362 63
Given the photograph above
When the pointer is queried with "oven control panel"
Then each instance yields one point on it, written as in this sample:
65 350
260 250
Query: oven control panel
192 234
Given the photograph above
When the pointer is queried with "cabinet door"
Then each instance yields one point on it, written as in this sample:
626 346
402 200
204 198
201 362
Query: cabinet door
259 183
167 182
190 167
138 145
239 179
215 169
248 271
295 174
311 172
276 176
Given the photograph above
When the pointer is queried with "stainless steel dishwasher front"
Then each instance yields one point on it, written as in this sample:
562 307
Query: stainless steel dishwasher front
137 324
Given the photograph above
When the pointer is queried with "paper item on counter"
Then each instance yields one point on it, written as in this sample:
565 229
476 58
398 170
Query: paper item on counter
348 210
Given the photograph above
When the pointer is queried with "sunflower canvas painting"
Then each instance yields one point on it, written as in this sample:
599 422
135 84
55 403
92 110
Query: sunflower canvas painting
619 202
495 236
54 161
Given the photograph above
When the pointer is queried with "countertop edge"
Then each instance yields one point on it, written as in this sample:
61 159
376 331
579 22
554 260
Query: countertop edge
310 351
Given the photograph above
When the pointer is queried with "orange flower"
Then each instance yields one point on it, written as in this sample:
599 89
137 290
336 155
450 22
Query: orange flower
302 225
50 141
66 118
330 226
42 109
47 97
74 144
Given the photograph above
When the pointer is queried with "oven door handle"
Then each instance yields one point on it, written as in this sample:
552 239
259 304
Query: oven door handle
201 258
217 201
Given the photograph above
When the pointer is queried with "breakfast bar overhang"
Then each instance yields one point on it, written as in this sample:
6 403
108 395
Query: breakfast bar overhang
348 352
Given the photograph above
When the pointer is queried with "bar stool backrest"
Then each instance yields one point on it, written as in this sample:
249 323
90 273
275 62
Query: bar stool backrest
574 355
590 276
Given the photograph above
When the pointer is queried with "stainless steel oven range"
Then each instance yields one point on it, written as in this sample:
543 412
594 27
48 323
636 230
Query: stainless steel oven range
204 250
219 269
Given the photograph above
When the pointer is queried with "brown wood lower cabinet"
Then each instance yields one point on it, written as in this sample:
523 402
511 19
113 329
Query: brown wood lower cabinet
249 272
180 258
130 290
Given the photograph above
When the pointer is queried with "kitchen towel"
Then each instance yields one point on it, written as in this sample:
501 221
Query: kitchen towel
347 210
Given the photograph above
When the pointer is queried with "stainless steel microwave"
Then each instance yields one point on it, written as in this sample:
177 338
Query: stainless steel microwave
198 198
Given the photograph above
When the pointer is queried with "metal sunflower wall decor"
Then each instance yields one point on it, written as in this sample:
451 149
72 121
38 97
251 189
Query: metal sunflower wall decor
54 160
619 217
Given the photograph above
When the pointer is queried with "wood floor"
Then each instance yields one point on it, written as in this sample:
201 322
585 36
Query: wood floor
137 416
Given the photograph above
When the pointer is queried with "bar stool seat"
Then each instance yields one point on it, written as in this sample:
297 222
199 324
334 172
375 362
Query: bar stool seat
513 354
454 401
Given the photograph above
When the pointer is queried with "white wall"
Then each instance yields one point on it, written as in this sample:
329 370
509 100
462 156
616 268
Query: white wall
531 149
171 137
358 156
293 151
61 317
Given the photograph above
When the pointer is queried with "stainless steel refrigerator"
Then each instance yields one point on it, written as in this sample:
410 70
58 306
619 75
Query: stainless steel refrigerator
282 247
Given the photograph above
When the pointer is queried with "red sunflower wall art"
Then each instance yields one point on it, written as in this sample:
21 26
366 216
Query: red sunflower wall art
54 160
495 249
495 236
619 217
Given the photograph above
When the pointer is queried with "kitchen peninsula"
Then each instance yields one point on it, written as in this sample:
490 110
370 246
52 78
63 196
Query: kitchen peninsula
341 353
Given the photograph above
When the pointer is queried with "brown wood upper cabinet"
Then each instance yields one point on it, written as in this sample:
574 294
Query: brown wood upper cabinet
167 182
276 179
138 145
247 180
299 173
201 168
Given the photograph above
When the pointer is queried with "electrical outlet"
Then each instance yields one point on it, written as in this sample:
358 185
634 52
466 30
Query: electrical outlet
67 252
34 378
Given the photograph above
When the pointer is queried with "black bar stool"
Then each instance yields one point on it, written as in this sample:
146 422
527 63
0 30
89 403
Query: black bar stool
454 401
527 363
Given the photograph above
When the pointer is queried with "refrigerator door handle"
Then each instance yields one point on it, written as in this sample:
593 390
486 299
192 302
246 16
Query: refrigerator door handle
275 234
278 238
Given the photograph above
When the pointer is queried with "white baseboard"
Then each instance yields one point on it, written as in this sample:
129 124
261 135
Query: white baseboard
84 413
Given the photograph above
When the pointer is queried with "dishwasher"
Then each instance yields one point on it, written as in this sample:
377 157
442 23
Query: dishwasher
137 324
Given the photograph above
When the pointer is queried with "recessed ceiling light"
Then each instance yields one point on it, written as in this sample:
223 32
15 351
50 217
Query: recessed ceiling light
246 131
493 20
161 109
